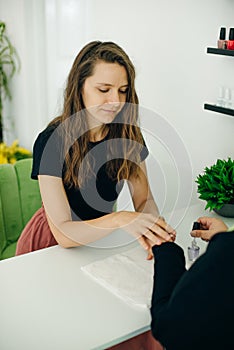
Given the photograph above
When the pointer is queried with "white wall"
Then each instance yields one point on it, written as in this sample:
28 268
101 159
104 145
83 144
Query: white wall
167 42
25 27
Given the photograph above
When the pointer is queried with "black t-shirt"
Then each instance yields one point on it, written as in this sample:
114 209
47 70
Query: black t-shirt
99 193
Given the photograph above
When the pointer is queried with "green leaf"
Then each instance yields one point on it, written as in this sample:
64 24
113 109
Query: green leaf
216 183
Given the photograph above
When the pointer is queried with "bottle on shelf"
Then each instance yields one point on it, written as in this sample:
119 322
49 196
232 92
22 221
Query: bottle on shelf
220 100
230 43
232 98
225 98
222 42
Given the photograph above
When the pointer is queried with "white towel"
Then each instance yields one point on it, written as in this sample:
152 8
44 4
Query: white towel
128 275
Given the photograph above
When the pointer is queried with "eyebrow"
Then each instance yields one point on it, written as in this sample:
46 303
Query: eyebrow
106 84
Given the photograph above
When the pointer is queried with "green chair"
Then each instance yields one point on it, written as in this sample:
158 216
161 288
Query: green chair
19 200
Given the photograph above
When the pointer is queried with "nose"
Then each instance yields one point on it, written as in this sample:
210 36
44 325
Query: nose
114 98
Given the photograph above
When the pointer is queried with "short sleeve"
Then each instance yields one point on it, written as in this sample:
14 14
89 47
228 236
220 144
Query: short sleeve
144 152
47 154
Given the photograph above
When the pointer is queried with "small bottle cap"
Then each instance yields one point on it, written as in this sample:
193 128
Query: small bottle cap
222 35
231 34
196 226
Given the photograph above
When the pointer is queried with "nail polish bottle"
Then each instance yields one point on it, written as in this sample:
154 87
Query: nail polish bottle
194 250
227 98
230 43
220 99
222 42
232 99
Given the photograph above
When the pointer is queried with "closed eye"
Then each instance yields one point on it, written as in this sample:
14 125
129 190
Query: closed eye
106 90
103 90
123 91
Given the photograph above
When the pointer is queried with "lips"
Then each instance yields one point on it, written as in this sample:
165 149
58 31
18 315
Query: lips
109 111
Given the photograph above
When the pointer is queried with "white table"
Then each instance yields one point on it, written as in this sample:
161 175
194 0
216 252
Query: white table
48 303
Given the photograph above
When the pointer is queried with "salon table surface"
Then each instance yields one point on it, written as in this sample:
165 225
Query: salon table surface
48 303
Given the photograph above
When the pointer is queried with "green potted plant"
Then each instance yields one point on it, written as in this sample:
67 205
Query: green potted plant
9 61
216 187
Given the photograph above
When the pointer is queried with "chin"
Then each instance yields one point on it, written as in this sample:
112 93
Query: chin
106 118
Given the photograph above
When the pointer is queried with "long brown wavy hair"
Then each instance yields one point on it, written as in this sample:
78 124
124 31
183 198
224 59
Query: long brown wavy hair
124 127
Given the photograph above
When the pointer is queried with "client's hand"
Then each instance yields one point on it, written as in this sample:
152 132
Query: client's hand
146 226
209 227
151 243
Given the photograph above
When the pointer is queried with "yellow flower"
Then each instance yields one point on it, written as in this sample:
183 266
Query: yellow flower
23 151
15 143
12 153
3 159
12 160
2 147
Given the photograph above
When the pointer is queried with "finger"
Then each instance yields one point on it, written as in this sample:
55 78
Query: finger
173 237
197 233
206 240
154 238
159 231
205 222
166 227
150 255
204 234
143 243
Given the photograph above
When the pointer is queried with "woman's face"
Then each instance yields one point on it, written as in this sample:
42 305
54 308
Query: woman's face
104 93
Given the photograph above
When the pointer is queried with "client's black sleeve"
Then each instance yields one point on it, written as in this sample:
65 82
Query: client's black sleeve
194 309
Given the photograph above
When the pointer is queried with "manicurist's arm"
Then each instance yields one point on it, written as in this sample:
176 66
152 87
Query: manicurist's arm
169 266
186 305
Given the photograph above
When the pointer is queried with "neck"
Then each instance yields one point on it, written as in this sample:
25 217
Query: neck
98 133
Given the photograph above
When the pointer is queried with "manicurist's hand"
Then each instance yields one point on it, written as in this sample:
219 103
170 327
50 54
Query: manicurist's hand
209 227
